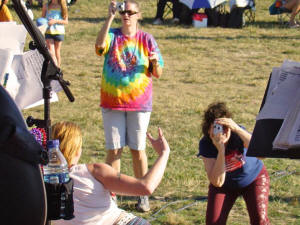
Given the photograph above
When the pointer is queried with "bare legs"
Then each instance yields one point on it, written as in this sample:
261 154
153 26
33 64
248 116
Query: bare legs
54 49
139 161
57 45
113 158
293 5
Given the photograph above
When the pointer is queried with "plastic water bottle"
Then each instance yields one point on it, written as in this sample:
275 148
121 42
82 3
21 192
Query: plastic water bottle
56 171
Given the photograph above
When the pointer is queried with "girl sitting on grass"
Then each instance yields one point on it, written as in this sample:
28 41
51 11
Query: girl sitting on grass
93 182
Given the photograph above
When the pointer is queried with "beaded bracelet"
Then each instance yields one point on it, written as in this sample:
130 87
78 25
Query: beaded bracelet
37 135
44 137
40 136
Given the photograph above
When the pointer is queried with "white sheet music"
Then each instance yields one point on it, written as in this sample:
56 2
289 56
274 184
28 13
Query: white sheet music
14 36
20 73
6 57
284 84
283 102
33 63
27 68
289 133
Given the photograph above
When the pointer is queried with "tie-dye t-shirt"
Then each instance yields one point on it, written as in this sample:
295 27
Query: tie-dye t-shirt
126 79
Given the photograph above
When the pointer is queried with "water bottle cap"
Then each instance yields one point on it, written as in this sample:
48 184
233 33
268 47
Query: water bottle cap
53 143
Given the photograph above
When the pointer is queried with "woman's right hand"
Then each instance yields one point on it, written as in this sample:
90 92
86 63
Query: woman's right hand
160 144
112 8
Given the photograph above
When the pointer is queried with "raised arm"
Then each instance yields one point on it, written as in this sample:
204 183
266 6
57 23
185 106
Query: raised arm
128 185
100 41
215 167
243 134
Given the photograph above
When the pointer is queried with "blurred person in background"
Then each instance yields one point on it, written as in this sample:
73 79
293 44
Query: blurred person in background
56 12
292 6
161 4
231 173
5 15
93 182
131 59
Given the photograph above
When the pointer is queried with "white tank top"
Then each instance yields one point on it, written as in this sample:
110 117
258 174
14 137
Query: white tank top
93 204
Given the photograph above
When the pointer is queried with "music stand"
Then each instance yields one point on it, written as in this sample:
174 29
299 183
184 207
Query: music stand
264 133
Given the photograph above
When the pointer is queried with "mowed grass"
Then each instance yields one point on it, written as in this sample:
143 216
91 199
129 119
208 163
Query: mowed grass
201 66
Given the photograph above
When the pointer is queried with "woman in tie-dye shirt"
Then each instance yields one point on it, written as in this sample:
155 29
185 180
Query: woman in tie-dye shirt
131 58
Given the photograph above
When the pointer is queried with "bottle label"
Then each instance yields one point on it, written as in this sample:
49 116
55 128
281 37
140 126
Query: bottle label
56 178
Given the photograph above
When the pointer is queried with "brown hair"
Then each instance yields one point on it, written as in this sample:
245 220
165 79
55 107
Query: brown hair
214 110
64 9
70 139
135 3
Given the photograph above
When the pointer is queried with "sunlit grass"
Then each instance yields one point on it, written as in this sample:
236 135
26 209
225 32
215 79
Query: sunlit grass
201 66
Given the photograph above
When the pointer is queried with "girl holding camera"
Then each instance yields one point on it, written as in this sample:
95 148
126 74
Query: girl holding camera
231 173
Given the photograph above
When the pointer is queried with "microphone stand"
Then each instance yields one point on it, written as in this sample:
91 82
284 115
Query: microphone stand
49 71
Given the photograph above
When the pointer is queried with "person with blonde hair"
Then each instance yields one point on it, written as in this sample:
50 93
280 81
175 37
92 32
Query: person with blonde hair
93 182
56 12
5 15
131 59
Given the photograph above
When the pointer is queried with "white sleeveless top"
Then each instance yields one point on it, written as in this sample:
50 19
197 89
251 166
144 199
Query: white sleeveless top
93 204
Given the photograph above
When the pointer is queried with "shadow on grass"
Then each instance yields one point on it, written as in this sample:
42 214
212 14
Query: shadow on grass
88 19
238 37
294 200
129 202
258 24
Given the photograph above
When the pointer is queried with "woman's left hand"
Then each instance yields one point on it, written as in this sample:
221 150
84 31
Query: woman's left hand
51 22
153 58
229 123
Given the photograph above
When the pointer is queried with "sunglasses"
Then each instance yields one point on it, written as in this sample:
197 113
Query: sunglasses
128 12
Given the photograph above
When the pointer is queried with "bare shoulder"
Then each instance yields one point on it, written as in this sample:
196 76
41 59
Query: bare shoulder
99 170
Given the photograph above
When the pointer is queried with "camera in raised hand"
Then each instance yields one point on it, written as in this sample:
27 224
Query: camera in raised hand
120 6
218 128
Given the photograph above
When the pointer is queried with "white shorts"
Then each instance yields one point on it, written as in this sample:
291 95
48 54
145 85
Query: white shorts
125 128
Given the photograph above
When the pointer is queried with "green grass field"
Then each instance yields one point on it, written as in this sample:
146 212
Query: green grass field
201 66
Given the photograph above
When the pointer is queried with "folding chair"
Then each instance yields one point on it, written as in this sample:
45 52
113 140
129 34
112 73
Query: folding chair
249 13
168 9
284 15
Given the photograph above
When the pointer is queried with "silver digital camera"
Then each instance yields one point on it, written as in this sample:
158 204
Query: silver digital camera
120 6
218 128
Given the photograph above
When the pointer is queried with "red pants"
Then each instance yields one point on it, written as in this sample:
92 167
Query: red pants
256 196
